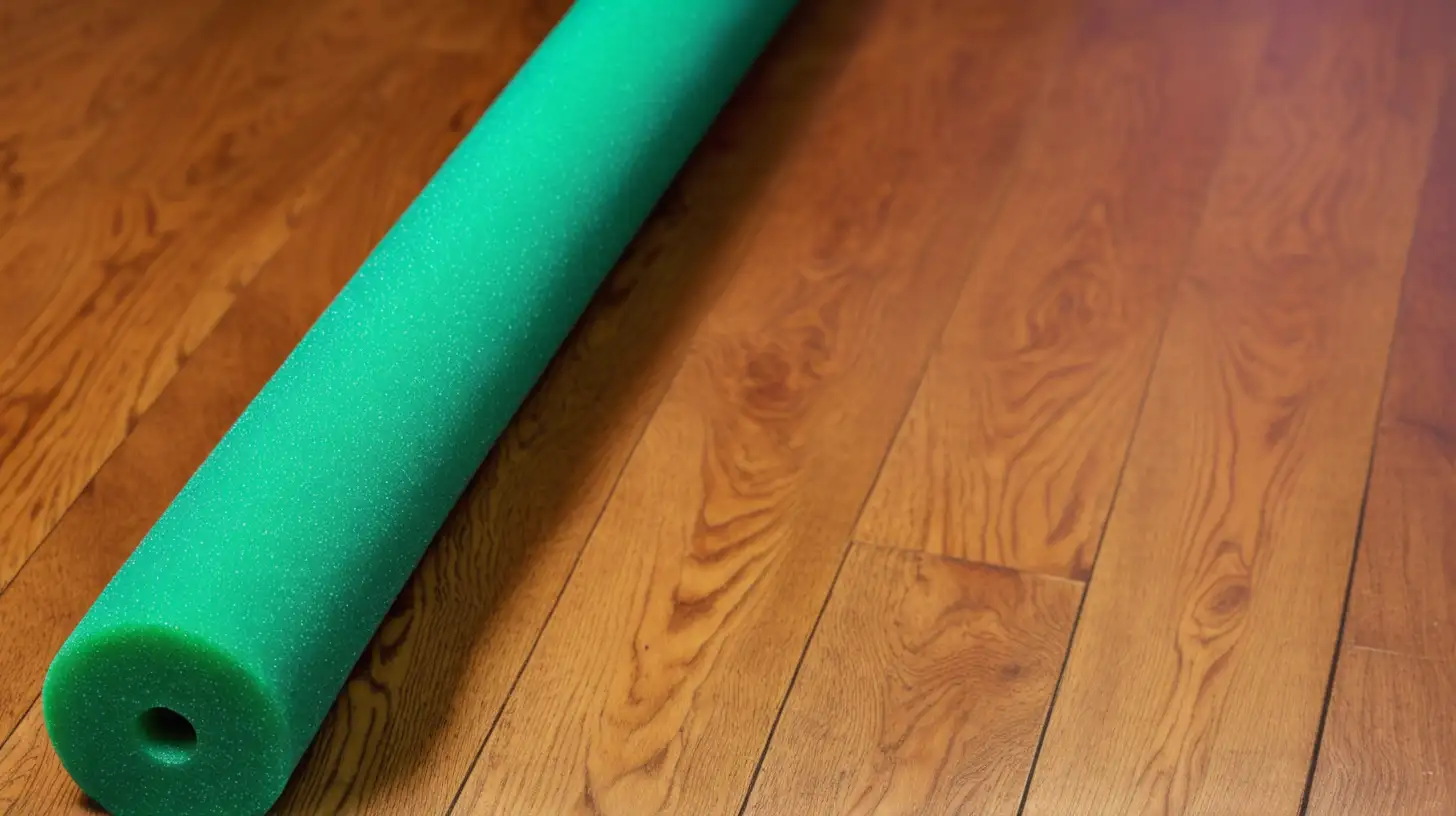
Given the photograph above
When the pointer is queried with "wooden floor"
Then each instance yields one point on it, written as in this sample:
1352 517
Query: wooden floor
1017 406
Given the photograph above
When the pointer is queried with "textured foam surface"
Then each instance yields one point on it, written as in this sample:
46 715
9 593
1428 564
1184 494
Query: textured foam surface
204 669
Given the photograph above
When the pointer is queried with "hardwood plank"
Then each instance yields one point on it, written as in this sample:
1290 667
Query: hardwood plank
1388 747
1402 597
410 722
408 124
658 676
1199 666
923 690
1404 593
149 142
134 259
32 781
1389 741
1011 450
66 71
253 61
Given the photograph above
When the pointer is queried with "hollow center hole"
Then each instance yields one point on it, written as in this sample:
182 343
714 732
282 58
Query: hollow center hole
167 735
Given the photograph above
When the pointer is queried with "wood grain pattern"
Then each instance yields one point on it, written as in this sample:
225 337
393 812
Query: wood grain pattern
66 70
659 673
1197 671
411 121
943 234
1404 593
1390 742
1010 453
32 780
1389 748
923 690
411 721
87 215
154 233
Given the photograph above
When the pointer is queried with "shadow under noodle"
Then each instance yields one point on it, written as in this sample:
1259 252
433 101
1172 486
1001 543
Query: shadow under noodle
612 369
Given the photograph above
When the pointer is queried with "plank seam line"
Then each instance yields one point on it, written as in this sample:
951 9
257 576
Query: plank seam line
18 720
968 562
1016 162
1237 110
1082 602
87 487
1446 108
793 680
1030 123
368 114
570 575
1319 731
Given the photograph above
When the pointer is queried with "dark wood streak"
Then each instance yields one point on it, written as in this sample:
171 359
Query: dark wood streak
922 691
1388 742
188 194
1011 450
1212 615
192 412
725 528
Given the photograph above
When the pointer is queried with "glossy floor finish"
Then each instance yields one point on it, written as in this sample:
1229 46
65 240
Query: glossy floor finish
1016 406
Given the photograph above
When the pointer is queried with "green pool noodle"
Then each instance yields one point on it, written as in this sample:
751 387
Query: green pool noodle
202 672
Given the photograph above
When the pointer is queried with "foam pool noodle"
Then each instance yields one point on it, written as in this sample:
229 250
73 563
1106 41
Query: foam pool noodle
201 674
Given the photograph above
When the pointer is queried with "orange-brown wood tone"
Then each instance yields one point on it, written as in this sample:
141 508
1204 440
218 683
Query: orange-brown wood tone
410 723
1011 451
66 69
923 690
981 423
417 111
116 273
1198 670
660 672
1389 745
